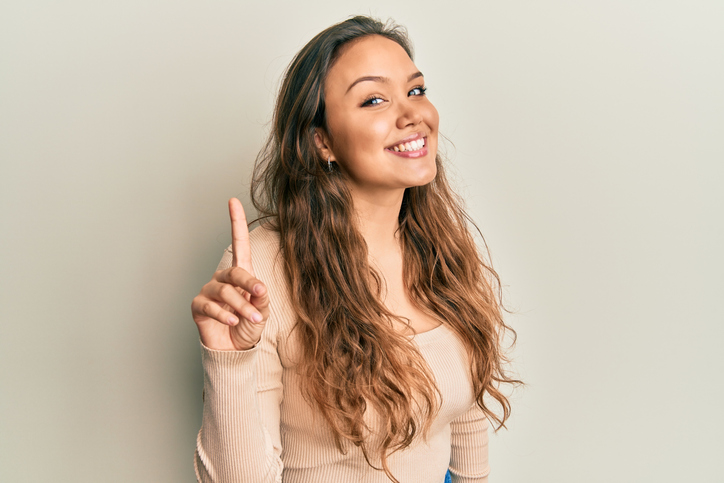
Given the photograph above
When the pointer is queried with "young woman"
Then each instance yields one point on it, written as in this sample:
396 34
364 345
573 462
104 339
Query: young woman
363 344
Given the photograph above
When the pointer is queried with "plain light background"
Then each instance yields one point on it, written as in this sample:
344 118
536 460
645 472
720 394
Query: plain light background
585 136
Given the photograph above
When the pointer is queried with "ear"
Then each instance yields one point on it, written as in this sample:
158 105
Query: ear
322 141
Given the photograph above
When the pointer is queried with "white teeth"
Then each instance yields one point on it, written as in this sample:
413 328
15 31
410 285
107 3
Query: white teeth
415 145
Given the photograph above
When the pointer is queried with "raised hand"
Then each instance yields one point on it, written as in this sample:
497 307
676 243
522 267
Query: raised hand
231 310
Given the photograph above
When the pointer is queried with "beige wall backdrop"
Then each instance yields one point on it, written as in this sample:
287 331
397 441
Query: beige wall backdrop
586 137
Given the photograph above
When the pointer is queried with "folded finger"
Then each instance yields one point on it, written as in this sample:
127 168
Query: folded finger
260 299
209 308
238 277
230 296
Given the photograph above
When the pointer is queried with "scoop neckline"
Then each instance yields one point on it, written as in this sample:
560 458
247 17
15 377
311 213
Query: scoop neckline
430 335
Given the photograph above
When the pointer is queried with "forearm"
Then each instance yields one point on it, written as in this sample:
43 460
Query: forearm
233 445
469 448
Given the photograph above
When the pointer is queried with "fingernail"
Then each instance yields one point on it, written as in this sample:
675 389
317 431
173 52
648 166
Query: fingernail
233 320
258 289
256 317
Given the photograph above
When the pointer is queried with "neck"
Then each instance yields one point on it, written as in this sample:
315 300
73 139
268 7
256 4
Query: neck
378 222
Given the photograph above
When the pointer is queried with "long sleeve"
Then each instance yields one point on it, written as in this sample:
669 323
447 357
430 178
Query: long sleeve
469 447
254 406
239 440
239 436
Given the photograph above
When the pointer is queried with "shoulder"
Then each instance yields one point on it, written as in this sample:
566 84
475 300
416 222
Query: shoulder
266 258
265 252
264 243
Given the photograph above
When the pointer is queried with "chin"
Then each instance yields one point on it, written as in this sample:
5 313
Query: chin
425 178
430 173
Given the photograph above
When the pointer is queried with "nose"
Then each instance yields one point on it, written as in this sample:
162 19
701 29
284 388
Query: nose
410 114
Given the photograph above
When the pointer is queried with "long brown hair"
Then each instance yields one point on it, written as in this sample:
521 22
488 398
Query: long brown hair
353 359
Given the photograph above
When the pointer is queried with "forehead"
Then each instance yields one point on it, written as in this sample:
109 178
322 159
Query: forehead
372 55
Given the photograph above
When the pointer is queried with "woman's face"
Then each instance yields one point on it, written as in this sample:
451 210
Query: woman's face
381 128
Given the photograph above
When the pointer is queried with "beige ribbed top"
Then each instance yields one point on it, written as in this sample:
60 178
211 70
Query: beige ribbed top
257 427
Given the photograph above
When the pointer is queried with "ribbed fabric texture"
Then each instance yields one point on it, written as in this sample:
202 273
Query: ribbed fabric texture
257 427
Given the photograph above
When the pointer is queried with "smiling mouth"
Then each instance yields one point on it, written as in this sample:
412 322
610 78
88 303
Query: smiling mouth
410 146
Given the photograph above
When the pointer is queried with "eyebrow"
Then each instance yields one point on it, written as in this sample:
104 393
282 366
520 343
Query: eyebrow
376 78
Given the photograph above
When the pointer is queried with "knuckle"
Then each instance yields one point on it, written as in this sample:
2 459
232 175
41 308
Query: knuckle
207 308
226 291
238 274
208 287
196 303
222 276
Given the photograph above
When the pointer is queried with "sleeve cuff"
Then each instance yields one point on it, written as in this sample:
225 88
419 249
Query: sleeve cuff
227 358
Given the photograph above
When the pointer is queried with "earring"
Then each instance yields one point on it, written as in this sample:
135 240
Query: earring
329 163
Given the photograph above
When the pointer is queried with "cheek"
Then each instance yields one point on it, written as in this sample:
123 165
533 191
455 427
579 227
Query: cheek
365 135
433 118
377 131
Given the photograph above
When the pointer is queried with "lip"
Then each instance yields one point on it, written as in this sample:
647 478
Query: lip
409 138
409 154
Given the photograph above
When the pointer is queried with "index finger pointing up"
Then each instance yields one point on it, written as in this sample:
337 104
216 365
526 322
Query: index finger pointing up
239 237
